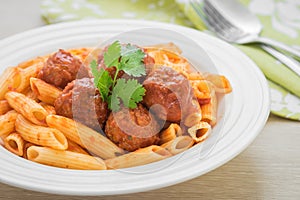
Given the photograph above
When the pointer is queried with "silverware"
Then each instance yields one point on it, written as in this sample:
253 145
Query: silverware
293 64
234 23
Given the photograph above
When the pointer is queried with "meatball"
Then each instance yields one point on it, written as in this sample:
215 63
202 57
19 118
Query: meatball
62 68
82 101
132 129
169 89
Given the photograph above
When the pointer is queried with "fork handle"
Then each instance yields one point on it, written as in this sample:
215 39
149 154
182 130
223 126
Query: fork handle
279 45
288 61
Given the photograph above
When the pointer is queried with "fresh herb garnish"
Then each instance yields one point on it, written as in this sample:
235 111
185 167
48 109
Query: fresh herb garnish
130 92
102 80
126 58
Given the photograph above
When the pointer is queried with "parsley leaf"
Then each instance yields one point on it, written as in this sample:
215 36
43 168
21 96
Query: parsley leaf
132 61
128 58
114 102
112 55
130 92
104 84
102 80
95 72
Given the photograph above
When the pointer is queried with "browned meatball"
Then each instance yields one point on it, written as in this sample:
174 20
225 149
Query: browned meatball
82 101
62 68
132 129
169 89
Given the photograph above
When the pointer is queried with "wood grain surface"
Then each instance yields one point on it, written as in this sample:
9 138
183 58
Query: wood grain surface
268 169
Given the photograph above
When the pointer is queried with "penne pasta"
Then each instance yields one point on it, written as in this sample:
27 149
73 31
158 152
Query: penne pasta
202 91
28 63
219 82
82 53
14 143
64 159
167 46
26 74
49 108
30 127
168 58
30 94
17 79
195 115
26 146
178 144
7 122
195 76
209 111
40 135
170 133
72 146
4 107
45 92
86 137
10 79
29 108
141 156
1 140
200 131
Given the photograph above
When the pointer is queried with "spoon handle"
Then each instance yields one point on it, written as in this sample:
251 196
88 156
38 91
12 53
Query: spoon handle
288 61
279 45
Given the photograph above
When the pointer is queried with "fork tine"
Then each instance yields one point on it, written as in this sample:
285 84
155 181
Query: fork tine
197 6
208 14
215 21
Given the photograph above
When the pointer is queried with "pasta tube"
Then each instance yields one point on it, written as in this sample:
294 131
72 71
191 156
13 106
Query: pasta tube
4 107
194 115
28 63
195 76
72 146
219 82
7 122
85 136
14 143
82 53
202 91
168 58
17 79
200 131
209 110
167 46
45 92
178 144
10 79
50 109
139 157
30 109
64 159
30 94
170 133
26 74
40 135
26 146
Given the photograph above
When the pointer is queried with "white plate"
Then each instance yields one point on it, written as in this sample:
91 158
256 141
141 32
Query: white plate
246 112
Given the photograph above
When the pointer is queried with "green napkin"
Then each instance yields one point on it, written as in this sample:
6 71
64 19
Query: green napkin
281 20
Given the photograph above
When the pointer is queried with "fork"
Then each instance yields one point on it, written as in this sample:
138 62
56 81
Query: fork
235 23
218 24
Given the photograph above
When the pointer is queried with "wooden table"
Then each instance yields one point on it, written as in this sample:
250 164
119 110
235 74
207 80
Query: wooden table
268 169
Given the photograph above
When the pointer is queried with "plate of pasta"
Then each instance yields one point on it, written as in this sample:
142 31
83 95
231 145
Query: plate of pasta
108 107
